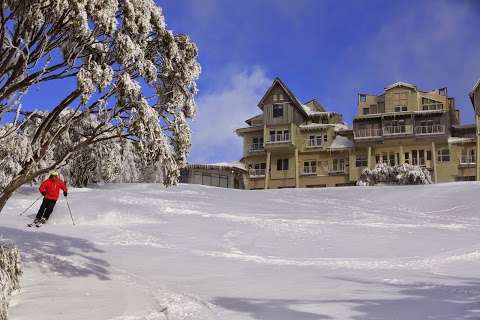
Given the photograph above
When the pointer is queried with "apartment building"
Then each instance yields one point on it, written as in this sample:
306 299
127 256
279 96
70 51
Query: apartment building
407 125
292 144
295 144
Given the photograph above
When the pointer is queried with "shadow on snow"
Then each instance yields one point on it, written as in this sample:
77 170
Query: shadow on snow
417 301
65 256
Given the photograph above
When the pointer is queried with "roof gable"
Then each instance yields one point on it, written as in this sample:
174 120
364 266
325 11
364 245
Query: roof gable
401 84
277 82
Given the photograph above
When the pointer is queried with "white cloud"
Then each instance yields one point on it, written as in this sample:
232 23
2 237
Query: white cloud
224 108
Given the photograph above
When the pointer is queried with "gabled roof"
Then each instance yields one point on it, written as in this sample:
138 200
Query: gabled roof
289 93
401 84
257 117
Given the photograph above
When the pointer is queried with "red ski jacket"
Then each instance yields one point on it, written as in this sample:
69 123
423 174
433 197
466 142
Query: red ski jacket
52 187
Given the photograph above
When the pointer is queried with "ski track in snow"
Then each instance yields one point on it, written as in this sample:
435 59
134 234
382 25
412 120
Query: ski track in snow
181 253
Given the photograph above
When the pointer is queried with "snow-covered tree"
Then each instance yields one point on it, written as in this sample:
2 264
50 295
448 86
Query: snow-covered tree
400 174
135 80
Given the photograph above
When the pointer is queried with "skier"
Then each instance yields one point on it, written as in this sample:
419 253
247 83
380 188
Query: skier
50 189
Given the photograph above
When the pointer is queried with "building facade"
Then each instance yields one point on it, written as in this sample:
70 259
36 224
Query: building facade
224 175
293 144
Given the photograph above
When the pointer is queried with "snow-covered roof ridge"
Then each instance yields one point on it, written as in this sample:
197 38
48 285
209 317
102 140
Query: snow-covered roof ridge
317 126
217 165
341 143
454 140
401 84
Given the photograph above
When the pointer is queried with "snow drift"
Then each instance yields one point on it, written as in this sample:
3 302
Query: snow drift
144 252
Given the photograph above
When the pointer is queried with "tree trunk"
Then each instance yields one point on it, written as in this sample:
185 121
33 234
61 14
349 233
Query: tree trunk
4 198
12 187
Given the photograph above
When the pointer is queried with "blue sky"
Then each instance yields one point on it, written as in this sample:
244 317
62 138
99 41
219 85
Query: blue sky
329 50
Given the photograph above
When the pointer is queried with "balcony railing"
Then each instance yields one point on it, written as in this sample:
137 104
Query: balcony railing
309 170
433 129
397 130
467 159
432 106
256 173
279 138
368 133
313 143
256 147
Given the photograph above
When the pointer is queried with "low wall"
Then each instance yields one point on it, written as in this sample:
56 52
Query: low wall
10 271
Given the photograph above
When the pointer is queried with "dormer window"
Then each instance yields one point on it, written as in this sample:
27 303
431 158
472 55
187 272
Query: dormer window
362 97
442 92
277 110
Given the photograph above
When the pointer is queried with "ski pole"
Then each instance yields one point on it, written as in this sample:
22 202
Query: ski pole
31 205
70 210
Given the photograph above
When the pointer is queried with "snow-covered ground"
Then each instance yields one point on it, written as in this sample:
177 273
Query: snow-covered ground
142 252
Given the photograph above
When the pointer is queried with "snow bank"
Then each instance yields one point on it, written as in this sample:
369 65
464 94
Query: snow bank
9 274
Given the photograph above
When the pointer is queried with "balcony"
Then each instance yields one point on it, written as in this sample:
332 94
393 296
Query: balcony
428 130
368 133
467 160
313 143
256 173
256 147
397 130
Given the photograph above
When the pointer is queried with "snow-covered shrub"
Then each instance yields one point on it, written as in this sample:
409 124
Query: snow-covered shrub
10 271
400 174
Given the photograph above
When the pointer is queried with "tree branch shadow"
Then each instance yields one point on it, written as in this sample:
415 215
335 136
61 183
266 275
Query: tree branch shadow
275 309
65 256
420 301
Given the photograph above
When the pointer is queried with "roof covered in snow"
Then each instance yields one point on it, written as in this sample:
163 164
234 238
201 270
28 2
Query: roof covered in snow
401 84
455 140
220 165
341 143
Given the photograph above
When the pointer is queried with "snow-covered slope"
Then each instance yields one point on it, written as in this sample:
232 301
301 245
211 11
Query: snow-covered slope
140 251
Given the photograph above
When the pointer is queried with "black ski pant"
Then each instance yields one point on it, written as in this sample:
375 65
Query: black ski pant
46 209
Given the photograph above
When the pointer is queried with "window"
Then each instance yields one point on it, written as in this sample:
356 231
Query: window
407 157
257 143
442 92
282 164
338 165
310 167
421 157
362 97
391 159
315 141
257 169
365 111
429 155
279 135
373 108
414 157
381 107
377 158
362 161
277 110
400 108
325 137
443 155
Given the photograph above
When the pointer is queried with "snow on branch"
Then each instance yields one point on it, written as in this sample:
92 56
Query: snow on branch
10 271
